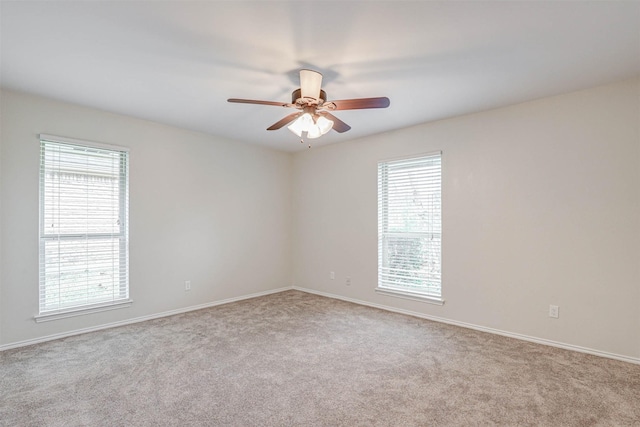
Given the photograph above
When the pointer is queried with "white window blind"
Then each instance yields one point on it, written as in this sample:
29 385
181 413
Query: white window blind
410 226
83 225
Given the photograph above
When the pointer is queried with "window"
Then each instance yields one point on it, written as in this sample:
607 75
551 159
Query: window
83 226
410 227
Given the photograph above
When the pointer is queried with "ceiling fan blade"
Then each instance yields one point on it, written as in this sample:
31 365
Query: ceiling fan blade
358 104
310 82
338 125
285 121
253 101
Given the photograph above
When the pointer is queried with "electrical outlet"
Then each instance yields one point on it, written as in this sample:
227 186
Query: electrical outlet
554 311
348 281
332 275
187 285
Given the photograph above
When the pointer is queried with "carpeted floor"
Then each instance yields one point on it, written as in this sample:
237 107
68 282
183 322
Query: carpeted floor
295 359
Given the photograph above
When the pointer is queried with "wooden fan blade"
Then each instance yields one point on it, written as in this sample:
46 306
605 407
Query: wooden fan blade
358 104
253 101
338 125
285 121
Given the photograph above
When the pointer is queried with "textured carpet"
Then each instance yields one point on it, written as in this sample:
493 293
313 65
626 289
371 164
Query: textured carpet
295 359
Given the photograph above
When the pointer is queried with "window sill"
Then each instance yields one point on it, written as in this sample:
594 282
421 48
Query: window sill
410 295
63 314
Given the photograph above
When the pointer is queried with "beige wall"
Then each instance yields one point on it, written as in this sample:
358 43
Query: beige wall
541 205
204 209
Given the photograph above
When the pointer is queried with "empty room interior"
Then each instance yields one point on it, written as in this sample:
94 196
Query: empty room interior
319 213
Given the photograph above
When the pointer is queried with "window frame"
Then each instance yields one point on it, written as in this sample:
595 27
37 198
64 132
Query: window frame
383 212
121 301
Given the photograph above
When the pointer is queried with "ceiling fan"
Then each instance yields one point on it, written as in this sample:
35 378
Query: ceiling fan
314 117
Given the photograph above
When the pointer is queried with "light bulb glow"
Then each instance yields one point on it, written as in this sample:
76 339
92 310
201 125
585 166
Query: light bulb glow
314 125
301 124
306 121
313 132
295 128
324 124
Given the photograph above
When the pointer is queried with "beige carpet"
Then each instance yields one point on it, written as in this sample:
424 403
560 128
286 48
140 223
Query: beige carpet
294 359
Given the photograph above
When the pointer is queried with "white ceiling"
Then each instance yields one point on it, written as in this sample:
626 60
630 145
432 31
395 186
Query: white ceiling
177 62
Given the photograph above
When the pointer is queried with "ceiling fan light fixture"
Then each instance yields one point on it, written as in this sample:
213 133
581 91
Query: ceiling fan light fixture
324 124
295 128
302 124
314 132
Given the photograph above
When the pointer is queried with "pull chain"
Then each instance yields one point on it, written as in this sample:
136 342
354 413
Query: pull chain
302 142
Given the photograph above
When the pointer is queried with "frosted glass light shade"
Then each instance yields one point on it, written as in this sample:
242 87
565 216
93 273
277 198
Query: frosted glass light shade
314 132
305 123
324 124
301 124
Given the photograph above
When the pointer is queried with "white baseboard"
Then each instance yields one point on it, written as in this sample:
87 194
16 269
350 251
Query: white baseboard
328 295
139 319
477 327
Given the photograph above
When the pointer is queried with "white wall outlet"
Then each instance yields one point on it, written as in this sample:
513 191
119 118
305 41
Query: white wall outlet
332 275
554 311
187 285
348 281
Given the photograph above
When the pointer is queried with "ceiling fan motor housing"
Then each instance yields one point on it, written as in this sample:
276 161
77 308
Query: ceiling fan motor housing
297 99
